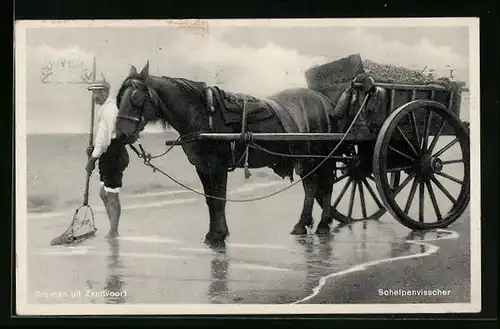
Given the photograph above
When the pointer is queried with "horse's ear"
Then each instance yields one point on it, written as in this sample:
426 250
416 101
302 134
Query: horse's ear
133 71
145 70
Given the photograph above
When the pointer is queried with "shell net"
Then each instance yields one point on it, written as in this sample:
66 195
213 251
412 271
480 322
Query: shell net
81 227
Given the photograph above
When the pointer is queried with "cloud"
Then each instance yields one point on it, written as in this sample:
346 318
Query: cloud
255 71
258 70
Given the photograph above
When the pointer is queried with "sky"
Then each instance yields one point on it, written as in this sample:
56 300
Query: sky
257 60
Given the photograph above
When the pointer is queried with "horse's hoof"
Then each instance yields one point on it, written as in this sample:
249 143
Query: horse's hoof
209 236
215 243
323 230
299 230
215 240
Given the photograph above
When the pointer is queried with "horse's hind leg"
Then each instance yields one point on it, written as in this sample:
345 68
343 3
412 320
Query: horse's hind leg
310 184
324 198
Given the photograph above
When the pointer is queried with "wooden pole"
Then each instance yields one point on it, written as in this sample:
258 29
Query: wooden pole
92 104
91 136
279 137
283 136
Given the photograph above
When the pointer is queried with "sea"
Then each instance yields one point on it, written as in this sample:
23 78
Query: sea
56 173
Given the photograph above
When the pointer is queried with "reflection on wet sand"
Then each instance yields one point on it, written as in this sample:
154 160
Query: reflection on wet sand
415 236
348 246
400 246
318 255
323 254
115 290
218 288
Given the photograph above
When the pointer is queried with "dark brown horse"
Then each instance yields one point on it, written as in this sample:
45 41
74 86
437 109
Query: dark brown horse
182 104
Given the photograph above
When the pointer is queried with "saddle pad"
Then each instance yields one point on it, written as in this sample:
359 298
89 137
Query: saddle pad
302 110
231 106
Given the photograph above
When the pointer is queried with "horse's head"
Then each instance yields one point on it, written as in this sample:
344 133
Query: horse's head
136 105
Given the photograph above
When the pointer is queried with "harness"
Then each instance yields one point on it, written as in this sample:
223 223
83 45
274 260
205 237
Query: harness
211 94
246 137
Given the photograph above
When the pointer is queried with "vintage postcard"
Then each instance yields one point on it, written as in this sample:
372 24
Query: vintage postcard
247 166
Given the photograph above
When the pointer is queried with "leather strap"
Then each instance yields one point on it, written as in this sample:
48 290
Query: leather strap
244 118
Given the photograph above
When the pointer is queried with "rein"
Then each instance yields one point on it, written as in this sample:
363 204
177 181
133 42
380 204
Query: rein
147 161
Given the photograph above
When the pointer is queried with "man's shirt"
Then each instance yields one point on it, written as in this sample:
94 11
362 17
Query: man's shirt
349 103
106 125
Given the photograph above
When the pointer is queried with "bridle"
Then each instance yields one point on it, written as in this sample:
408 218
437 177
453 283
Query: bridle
139 122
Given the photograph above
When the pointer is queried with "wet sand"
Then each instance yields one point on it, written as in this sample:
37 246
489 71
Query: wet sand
160 257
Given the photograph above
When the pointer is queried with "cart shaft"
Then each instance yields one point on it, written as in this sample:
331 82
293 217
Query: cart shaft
276 137
283 136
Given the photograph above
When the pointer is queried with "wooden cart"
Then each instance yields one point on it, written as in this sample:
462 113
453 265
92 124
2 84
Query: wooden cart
411 151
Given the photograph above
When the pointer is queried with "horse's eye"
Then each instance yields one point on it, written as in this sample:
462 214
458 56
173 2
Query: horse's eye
137 98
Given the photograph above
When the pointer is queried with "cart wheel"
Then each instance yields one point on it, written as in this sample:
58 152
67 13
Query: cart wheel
438 164
354 193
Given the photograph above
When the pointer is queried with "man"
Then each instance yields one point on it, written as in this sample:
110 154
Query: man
111 153
369 120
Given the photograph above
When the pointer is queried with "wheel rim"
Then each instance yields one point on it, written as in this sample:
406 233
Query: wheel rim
355 195
433 160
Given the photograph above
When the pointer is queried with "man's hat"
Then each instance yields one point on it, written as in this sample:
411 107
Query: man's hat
363 81
101 85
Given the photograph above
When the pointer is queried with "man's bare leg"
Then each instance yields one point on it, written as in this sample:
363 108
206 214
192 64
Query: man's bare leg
104 198
113 200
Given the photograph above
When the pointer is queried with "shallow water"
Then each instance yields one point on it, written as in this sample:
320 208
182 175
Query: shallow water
56 171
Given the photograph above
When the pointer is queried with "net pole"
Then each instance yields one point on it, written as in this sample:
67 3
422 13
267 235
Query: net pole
91 135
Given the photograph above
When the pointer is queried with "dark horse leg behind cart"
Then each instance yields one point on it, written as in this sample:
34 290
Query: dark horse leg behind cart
181 104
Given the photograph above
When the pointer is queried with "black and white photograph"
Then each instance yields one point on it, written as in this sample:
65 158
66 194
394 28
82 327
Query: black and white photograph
247 166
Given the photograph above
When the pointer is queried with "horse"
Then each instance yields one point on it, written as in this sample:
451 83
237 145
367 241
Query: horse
182 104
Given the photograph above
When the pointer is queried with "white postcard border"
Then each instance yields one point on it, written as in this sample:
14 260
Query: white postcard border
24 308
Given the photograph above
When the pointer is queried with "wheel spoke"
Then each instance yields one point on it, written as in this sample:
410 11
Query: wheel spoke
362 198
421 203
415 128
426 131
351 200
434 201
436 137
338 179
341 195
407 141
403 184
401 153
444 149
458 181
453 161
411 196
444 190
372 193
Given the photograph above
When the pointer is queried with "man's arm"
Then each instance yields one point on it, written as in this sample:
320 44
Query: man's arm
342 105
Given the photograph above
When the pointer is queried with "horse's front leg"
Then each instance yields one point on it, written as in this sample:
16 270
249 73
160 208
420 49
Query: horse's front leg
214 180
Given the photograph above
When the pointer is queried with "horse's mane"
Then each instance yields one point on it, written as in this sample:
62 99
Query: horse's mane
124 85
195 87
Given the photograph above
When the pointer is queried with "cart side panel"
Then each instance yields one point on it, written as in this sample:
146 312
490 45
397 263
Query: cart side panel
399 95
